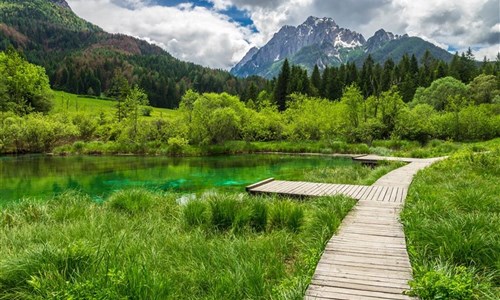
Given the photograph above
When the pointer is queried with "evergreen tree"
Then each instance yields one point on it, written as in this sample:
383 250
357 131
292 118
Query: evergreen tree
281 90
316 80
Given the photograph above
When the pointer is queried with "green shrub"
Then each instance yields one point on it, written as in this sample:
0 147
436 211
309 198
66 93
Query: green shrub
286 215
131 201
196 213
258 218
447 283
243 218
223 212
78 146
176 145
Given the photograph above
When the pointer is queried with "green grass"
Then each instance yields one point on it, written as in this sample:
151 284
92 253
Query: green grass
355 174
434 148
71 103
452 225
219 246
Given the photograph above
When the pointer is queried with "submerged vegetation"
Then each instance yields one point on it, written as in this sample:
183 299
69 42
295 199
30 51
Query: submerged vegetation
452 224
149 245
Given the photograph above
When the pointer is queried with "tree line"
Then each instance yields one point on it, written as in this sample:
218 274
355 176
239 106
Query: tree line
373 79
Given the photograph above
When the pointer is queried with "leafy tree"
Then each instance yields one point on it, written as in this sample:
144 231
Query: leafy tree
391 105
132 104
484 88
440 92
25 86
354 106
119 90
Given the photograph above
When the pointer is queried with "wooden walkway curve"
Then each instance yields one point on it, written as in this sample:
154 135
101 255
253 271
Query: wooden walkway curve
367 257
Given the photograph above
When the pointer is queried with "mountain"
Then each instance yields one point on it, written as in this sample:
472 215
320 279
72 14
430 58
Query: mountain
320 41
81 58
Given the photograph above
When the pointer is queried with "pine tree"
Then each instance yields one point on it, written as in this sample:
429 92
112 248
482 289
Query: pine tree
281 90
316 80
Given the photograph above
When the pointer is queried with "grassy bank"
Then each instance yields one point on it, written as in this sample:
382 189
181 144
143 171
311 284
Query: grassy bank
144 245
176 147
452 224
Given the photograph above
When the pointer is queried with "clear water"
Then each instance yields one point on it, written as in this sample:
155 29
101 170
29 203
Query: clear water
44 176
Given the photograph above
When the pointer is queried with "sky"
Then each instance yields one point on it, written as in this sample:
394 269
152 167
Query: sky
218 33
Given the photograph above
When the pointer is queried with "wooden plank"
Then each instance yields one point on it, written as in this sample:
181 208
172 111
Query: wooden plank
263 182
356 292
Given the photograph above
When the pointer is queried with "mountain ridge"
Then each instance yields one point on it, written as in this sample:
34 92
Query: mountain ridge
322 42
81 58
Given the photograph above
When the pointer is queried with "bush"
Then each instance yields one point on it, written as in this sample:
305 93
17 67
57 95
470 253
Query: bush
176 145
131 201
196 213
446 283
286 215
224 210
258 218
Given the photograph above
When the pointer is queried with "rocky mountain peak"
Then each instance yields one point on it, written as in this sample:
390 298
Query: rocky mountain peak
380 38
320 33
315 21
320 41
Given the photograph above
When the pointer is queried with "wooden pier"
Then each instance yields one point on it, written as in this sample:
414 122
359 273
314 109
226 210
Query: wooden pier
367 257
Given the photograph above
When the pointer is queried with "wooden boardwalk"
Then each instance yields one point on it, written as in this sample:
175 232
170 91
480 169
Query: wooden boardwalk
367 258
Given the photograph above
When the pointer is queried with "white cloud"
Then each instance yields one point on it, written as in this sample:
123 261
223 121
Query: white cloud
189 33
208 37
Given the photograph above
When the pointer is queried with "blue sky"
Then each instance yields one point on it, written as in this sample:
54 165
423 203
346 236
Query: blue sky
237 15
218 33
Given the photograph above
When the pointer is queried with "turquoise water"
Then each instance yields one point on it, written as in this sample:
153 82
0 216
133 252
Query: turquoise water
45 176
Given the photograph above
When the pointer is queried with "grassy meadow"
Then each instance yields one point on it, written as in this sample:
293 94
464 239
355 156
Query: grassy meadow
149 245
71 103
452 225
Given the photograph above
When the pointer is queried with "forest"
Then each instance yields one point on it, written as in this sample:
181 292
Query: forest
342 105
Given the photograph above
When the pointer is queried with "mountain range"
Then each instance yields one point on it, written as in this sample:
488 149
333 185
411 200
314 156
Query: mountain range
320 41
81 58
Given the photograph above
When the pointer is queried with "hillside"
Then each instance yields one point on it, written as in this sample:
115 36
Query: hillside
320 41
81 58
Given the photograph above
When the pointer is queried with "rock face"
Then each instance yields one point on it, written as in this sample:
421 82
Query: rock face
320 41
380 38
323 33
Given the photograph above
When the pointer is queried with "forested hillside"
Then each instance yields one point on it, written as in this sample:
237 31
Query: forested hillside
82 58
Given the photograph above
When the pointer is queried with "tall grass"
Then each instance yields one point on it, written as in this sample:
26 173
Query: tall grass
452 223
355 174
147 245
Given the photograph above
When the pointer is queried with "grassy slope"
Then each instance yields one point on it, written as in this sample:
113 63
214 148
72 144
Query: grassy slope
66 102
143 245
452 223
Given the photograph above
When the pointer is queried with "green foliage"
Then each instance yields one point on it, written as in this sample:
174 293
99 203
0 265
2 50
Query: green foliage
457 284
214 118
24 87
440 93
484 88
176 145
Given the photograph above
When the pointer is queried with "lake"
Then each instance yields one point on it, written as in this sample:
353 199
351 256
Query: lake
45 176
